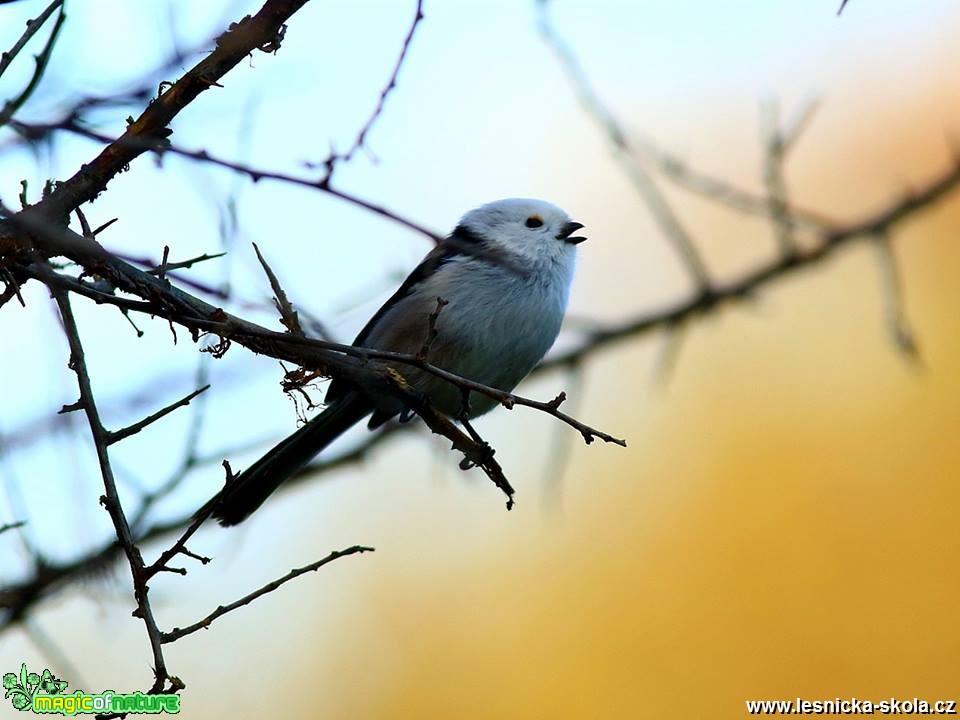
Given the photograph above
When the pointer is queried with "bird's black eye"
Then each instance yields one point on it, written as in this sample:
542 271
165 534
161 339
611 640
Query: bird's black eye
534 221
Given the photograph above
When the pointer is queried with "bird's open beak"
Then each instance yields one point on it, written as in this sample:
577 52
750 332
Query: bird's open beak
567 233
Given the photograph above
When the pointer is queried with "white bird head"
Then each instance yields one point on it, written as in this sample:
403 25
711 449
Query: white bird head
532 228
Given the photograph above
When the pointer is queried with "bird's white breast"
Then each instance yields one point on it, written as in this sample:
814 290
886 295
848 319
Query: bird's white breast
498 324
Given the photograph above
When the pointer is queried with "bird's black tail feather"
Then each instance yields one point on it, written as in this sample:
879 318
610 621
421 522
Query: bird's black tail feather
247 491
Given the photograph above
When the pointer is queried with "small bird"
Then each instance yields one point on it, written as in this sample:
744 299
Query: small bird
501 281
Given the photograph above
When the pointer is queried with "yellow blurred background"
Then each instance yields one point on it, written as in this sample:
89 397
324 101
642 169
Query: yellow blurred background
783 525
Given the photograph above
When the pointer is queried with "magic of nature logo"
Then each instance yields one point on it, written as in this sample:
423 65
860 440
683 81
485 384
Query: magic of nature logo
47 694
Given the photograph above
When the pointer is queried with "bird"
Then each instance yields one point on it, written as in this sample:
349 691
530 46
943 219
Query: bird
491 296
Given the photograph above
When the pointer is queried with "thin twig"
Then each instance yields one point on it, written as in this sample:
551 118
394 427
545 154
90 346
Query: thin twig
255 174
41 61
18 599
189 460
261 31
669 165
288 315
432 331
12 526
32 26
168 266
222 610
361 138
122 434
753 280
657 203
898 327
12 288
773 161
669 353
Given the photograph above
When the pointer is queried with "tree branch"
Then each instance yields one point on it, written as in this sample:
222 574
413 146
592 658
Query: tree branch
361 138
222 610
747 285
32 26
124 433
111 499
263 31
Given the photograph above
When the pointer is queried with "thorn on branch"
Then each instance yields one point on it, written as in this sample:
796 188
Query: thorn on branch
103 227
162 270
72 407
288 316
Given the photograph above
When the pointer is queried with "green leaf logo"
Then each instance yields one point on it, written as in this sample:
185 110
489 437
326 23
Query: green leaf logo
21 690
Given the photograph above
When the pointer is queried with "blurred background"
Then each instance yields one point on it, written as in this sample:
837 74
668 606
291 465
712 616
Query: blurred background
783 522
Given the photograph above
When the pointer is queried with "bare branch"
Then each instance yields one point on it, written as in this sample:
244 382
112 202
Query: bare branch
745 286
32 26
122 434
12 288
205 623
41 60
773 162
255 174
111 499
391 84
669 165
12 526
662 212
17 600
168 266
431 329
669 353
262 31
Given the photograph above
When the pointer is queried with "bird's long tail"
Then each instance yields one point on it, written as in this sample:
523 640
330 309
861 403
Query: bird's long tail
247 491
